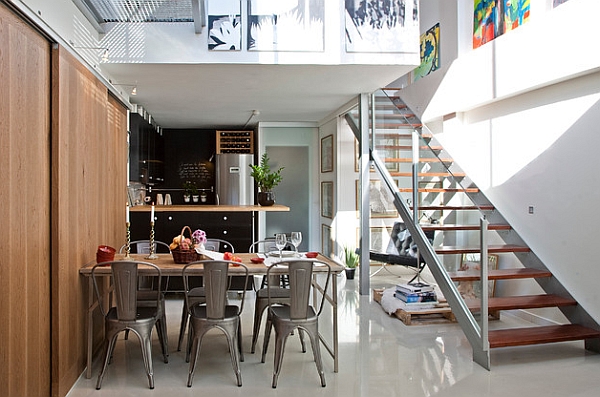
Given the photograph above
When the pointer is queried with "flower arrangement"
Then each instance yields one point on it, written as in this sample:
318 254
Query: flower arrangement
180 242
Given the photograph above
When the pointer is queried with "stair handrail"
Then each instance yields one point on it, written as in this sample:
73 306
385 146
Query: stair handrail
476 334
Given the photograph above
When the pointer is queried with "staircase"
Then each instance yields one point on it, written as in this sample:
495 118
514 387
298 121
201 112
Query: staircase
451 204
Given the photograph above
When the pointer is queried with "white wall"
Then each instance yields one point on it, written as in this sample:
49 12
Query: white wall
525 129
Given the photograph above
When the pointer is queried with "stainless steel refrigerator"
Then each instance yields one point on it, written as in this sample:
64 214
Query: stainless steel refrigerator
234 185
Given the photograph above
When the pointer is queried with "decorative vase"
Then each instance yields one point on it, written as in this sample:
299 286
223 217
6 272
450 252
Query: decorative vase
350 273
266 198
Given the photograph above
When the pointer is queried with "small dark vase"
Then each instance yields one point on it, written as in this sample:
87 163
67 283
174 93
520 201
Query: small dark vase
350 273
266 198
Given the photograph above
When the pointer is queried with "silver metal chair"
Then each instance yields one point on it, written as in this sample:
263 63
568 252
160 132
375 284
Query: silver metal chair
146 287
279 294
128 314
298 315
216 313
197 294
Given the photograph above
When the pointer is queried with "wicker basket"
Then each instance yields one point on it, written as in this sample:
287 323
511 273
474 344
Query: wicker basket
185 256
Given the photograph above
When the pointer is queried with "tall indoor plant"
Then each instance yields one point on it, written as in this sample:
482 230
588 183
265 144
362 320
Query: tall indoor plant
266 180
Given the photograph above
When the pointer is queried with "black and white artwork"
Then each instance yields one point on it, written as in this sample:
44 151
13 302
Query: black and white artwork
381 25
224 25
286 25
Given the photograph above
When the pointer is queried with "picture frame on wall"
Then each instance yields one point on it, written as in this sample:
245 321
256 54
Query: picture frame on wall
326 243
381 200
327 153
327 200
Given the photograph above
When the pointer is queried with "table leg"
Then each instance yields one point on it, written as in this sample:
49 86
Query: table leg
90 327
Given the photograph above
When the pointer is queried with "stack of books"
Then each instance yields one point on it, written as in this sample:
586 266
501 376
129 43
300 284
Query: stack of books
416 293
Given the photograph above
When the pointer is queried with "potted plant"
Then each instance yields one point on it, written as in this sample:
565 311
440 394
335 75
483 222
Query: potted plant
351 260
190 190
266 180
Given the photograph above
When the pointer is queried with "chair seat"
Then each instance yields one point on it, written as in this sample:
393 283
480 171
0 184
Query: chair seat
144 314
275 292
283 312
200 311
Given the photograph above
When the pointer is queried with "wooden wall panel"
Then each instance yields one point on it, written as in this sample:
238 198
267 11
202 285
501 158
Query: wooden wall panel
89 156
24 209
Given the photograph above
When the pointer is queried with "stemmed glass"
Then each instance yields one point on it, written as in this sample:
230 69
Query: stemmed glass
296 239
280 241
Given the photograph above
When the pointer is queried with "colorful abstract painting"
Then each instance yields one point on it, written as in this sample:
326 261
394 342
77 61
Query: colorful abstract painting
492 18
516 13
224 25
430 53
381 25
286 25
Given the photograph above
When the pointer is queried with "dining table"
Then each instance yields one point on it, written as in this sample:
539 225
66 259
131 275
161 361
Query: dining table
169 268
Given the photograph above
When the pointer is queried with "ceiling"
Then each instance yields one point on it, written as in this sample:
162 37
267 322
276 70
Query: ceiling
214 96
210 96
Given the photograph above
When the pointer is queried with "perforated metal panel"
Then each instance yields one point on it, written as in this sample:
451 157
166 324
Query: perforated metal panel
141 10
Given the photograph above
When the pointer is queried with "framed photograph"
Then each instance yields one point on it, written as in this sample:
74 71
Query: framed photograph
381 200
326 243
327 199
224 25
471 262
327 153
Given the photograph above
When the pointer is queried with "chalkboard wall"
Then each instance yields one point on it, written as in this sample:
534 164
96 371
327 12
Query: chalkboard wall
188 154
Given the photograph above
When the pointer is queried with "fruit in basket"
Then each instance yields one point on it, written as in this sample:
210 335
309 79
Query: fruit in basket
228 256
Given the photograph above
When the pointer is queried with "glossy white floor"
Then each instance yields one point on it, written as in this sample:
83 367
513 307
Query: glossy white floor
379 356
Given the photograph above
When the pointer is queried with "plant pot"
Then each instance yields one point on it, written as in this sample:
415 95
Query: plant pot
186 198
350 273
266 198
195 198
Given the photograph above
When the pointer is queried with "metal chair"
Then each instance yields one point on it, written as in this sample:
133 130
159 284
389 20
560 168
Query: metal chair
216 313
298 315
197 294
279 293
146 287
128 314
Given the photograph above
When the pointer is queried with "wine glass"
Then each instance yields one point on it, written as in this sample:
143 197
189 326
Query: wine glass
280 241
296 239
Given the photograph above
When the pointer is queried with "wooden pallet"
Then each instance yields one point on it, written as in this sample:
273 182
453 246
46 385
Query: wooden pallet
437 315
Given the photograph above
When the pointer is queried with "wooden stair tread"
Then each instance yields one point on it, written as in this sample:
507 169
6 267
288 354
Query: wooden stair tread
407 147
492 249
434 226
430 174
456 208
421 160
538 335
500 274
441 190
521 302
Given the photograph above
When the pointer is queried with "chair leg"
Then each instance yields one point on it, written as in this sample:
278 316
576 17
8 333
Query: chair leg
184 321
266 339
239 339
235 352
146 346
280 339
314 341
195 348
109 345
258 313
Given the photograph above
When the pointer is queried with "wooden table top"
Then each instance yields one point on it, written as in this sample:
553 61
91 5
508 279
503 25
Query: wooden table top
168 266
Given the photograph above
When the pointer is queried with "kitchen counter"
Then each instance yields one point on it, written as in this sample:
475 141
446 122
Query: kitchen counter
210 208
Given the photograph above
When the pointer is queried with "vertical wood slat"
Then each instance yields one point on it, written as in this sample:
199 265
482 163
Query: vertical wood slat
24 210
89 157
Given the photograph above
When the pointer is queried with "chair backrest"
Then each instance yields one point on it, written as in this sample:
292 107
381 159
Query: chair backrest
300 283
216 280
125 282
268 245
143 247
218 245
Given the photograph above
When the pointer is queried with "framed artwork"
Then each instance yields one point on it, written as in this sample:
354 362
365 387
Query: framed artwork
326 243
373 27
224 25
291 25
430 53
381 200
327 199
380 238
327 153
471 262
